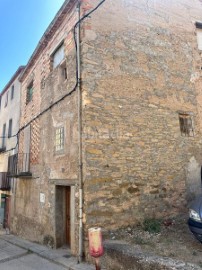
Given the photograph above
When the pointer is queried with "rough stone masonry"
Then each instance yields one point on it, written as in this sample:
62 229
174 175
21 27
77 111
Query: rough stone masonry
141 72
141 68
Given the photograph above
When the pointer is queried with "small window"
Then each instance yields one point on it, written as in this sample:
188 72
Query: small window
4 136
6 100
29 93
59 139
63 71
10 128
186 124
58 56
43 83
12 92
199 35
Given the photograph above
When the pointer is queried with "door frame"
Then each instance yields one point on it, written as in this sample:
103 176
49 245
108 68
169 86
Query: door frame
67 218
58 234
7 209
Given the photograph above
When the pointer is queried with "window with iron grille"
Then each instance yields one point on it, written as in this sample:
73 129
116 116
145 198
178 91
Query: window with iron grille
59 139
186 124
29 92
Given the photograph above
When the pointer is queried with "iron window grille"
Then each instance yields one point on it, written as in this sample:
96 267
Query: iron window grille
5 181
59 139
186 124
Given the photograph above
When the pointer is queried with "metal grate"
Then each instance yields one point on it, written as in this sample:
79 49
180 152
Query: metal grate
19 164
5 181
12 165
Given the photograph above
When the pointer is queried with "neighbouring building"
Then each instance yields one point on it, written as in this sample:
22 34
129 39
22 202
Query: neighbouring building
141 119
9 127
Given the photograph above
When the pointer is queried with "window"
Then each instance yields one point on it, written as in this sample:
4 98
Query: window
43 83
12 92
63 71
10 128
29 93
199 34
0 102
4 136
186 124
58 56
6 100
59 139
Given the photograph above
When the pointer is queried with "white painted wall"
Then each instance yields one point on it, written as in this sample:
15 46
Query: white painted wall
11 111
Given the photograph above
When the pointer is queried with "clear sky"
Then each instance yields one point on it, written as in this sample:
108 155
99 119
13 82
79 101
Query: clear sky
22 24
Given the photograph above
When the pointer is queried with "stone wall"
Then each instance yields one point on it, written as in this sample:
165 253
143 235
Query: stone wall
34 219
141 67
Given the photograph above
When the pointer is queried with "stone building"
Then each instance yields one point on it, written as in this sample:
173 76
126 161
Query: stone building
140 119
9 126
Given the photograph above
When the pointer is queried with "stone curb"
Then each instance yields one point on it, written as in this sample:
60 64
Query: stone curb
128 257
69 263
118 255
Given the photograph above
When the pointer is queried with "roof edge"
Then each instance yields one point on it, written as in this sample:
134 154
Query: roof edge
16 74
49 32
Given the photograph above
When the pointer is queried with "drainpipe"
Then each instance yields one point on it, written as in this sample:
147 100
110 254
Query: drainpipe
80 140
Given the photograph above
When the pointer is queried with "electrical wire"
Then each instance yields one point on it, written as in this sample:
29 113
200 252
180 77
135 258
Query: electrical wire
67 94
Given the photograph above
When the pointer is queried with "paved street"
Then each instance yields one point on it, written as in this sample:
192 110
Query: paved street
29 261
14 257
20 254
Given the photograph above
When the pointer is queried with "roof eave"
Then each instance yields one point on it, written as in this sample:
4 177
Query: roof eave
58 19
16 74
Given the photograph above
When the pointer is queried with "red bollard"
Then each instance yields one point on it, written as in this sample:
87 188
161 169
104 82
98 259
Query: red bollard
95 245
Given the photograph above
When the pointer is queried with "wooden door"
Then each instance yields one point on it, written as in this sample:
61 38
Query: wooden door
68 213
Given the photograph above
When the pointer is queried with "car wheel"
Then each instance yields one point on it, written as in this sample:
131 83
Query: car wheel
198 236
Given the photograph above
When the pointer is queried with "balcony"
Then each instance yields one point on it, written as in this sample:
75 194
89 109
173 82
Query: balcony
2 149
12 165
19 165
5 181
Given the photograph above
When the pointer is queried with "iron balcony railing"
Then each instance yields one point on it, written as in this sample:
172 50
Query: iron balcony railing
19 165
12 165
5 181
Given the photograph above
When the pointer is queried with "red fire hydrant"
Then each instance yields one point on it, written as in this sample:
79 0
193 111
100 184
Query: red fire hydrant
95 245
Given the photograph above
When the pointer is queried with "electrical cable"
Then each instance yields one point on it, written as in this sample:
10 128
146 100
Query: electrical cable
67 94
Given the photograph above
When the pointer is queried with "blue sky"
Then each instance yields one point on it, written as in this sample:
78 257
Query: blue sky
22 23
